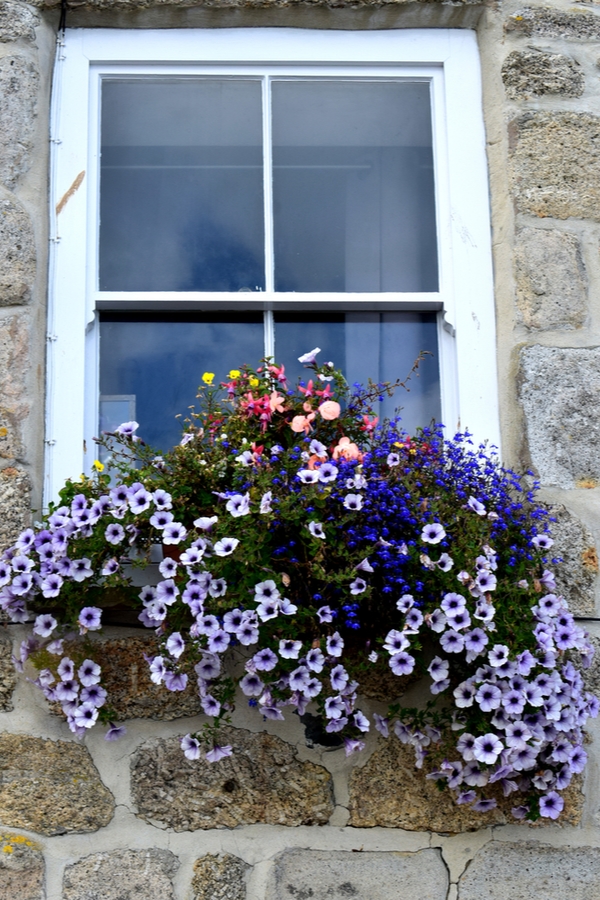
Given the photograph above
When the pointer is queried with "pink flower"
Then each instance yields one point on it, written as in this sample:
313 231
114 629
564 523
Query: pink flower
276 402
278 372
369 423
330 410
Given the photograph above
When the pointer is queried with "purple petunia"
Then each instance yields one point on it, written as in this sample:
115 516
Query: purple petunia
395 641
308 476
452 641
335 644
542 542
161 519
238 505
453 604
433 533
127 430
438 668
90 618
251 685
44 625
114 732
174 533
402 663
353 501
551 805
339 678
328 473
210 705
190 746
89 673
316 529
289 649
265 660
488 697
476 506
358 586
218 753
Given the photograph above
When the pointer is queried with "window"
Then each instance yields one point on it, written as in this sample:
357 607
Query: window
222 195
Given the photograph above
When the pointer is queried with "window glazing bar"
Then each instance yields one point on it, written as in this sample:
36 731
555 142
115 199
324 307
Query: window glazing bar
269 334
268 186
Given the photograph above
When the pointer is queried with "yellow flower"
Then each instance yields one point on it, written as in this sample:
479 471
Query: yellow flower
235 373
98 466
208 377
253 381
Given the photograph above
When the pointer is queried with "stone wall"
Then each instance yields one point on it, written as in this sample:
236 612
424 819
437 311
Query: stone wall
285 818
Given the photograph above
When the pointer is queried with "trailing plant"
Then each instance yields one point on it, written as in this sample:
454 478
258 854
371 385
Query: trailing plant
320 546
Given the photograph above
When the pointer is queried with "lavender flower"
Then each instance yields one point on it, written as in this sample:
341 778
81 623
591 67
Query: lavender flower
251 685
174 533
44 625
316 529
433 533
402 663
405 603
327 473
190 746
114 732
89 673
90 618
335 644
127 430
238 505
290 649
358 586
205 523
308 358
487 748
476 506
308 476
438 668
339 678
551 805
453 604
452 641
353 501
218 753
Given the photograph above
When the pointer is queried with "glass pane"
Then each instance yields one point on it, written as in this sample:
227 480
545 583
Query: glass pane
154 365
380 346
181 188
353 188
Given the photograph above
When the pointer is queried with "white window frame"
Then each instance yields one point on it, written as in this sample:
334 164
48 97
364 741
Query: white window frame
449 59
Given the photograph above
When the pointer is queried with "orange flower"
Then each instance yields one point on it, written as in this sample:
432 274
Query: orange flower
302 423
330 410
346 449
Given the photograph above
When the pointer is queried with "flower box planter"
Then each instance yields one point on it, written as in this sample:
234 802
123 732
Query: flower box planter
346 559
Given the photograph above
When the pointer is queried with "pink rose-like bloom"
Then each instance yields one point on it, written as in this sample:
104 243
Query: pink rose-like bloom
330 410
302 423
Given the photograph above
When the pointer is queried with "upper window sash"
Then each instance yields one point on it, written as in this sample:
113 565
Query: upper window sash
107 294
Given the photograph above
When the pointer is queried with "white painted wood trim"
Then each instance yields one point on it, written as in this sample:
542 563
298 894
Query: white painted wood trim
448 59
471 241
